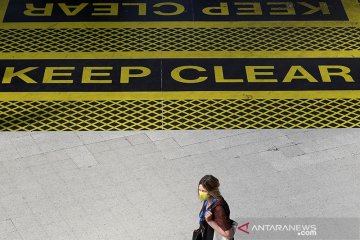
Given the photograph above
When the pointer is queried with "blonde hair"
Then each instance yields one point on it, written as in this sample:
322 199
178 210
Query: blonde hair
211 184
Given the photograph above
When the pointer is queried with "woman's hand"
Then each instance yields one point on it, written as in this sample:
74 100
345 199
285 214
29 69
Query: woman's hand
208 216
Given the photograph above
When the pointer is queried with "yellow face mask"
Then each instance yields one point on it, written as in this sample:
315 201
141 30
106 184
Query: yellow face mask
203 195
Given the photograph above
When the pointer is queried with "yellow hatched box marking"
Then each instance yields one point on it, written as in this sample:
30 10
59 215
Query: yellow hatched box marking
181 110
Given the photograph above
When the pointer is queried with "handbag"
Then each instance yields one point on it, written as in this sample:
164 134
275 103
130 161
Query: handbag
198 234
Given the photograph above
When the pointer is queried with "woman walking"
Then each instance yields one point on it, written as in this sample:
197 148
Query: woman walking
215 212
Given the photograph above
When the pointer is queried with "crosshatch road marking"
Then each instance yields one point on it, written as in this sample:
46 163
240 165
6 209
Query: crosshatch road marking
23 11
180 39
327 33
178 114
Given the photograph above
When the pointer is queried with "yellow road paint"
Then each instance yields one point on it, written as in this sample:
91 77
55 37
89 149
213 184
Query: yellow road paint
134 65
246 95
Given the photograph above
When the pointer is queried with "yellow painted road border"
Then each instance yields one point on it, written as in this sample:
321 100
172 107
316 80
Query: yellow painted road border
181 95
180 55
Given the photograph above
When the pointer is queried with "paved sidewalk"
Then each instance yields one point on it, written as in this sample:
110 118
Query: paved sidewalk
143 185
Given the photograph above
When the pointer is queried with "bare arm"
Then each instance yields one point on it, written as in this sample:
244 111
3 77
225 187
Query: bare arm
228 233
